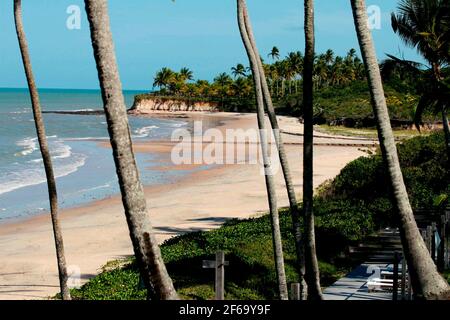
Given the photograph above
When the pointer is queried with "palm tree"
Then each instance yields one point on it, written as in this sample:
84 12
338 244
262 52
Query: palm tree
203 88
329 57
425 25
242 87
270 181
279 67
427 283
287 73
177 82
163 78
223 79
294 62
311 263
186 74
146 249
239 71
337 71
273 76
274 54
289 68
402 70
46 156
359 69
295 213
321 70
351 54
434 94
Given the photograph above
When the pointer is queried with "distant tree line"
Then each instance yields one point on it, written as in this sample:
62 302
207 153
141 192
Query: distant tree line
236 89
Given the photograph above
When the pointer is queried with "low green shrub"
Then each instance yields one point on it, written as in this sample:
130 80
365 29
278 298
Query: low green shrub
364 184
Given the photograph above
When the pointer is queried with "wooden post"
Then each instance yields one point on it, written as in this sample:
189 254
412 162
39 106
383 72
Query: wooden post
428 238
295 291
433 230
447 240
220 275
219 266
410 293
395 286
443 245
403 277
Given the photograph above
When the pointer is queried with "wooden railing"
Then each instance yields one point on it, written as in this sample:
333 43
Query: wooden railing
435 228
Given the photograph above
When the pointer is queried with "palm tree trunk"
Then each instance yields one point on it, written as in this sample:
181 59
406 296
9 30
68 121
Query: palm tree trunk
270 181
295 213
312 265
46 156
427 283
152 268
446 129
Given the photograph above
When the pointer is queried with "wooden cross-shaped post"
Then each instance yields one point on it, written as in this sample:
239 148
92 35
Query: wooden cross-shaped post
219 265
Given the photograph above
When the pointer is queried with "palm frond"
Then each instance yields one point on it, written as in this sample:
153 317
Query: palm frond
425 102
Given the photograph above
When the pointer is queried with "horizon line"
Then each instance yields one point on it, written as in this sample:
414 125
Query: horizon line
74 89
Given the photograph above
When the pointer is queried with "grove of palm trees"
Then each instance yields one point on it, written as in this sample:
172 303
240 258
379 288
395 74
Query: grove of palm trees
284 77
307 175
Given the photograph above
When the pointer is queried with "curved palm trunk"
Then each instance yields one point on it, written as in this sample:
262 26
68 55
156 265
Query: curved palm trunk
270 182
152 268
311 263
43 144
426 281
295 212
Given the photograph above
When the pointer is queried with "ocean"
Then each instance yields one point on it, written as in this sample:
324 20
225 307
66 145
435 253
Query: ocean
85 171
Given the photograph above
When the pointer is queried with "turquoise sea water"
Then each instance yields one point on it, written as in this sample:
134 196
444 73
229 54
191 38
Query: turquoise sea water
85 171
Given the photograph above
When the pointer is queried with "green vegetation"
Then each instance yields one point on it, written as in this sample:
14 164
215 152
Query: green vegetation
447 275
341 91
230 93
363 184
248 247
424 25
349 105
348 209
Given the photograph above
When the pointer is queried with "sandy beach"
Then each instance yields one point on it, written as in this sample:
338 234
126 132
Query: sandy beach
97 233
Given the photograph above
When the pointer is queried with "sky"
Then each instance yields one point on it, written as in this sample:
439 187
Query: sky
150 34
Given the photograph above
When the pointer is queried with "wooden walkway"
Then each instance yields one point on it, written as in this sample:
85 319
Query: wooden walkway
354 285
378 253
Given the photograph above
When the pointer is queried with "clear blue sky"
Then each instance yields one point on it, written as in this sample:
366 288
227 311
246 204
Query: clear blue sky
150 34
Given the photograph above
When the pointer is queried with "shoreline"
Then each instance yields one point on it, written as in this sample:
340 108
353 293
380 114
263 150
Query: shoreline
201 200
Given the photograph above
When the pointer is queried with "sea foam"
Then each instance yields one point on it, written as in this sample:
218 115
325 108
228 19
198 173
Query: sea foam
34 174
144 132
31 172
29 145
